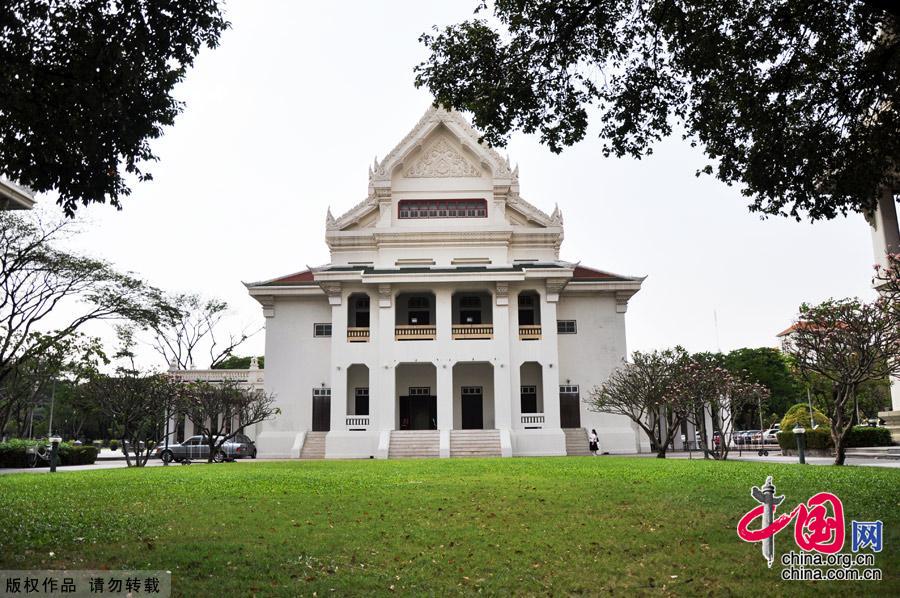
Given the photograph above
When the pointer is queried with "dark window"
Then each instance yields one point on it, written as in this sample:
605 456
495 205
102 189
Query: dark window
566 327
471 301
417 303
442 208
321 329
362 401
419 391
529 399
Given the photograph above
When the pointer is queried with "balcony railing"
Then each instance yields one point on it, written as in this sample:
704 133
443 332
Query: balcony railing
473 331
530 419
357 422
415 333
358 335
530 333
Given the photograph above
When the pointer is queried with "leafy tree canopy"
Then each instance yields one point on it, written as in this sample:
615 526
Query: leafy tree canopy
85 85
792 100
771 368
234 362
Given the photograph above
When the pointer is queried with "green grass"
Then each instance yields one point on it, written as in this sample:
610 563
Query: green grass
532 526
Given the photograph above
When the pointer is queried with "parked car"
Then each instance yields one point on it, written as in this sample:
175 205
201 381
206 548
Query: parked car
737 437
196 448
770 436
245 447
751 436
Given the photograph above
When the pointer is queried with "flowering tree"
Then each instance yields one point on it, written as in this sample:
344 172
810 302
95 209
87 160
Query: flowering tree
709 392
849 343
640 390
221 411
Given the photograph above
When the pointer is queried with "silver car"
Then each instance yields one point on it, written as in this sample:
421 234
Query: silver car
196 448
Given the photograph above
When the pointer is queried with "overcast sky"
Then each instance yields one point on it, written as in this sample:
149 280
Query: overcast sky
284 118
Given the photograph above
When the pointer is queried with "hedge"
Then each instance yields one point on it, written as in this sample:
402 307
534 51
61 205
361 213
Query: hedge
14 453
820 438
799 414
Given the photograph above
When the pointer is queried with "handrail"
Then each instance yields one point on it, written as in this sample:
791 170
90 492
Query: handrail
473 331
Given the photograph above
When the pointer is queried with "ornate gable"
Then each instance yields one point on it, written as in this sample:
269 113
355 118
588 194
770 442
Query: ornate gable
440 159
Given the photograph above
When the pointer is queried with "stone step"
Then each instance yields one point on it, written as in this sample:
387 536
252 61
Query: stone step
474 443
414 443
576 441
313 446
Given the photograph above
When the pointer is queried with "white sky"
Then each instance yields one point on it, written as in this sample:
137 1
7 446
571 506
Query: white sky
283 119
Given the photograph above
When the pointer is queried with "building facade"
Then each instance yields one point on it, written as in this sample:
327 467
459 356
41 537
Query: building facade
446 323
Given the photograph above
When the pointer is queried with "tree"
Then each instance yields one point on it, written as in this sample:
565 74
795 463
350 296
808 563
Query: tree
849 343
233 362
86 86
194 323
710 393
640 391
795 101
36 279
26 393
223 410
137 404
773 369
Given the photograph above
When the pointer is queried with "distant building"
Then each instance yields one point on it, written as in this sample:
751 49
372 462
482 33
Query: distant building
14 197
445 324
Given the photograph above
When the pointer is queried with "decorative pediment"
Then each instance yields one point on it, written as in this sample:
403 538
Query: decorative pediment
441 159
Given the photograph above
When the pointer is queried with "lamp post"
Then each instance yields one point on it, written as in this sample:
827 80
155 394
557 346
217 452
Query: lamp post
800 434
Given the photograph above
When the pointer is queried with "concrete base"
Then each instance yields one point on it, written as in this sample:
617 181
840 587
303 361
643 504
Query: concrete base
384 444
352 444
444 446
538 443
279 445
505 443
892 423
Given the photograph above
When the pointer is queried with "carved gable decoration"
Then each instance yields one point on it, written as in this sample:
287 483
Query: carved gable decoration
442 160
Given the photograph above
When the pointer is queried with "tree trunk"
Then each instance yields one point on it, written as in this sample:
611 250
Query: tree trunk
125 452
661 454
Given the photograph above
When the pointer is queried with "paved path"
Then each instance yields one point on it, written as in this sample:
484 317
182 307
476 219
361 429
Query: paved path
733 457
773 458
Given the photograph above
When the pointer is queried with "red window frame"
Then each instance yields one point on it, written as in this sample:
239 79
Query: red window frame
418 209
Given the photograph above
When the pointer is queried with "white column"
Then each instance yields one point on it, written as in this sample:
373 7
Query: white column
886 239
338 367
443 316
444 393
502 394
550 358
386 375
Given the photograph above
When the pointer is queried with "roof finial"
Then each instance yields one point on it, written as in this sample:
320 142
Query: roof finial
330 222
556 216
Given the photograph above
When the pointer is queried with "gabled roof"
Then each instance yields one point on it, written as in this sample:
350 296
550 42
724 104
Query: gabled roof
381 172
14 197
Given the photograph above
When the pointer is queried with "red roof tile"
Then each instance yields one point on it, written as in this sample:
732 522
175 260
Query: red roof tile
585 273
298 278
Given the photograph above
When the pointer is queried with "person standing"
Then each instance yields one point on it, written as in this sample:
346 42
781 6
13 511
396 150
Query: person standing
594 442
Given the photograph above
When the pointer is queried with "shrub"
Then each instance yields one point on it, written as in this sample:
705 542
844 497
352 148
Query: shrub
799 414
14 453
866 436
113 445
820 438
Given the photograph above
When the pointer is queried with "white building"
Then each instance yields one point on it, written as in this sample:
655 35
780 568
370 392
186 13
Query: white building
14 197
445 323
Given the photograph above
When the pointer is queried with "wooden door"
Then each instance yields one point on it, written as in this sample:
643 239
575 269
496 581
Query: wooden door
321 414
472 411
569 410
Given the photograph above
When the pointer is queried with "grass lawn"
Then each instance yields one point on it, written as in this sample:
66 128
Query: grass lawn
533 526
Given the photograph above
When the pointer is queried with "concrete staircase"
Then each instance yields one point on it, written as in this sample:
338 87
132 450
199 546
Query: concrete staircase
576 442
414 443
313 446
474 443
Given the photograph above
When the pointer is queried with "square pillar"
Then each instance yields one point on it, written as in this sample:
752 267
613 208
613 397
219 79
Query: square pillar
385 376
443 315
502 393
338 368
444 393
550 356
